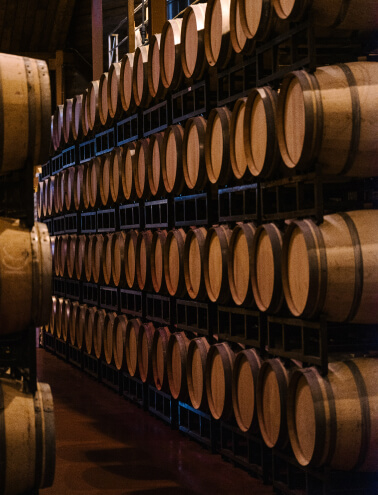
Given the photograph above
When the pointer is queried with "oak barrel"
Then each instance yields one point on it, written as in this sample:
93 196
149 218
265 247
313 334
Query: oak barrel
79 257
216 263
329 116
259 131
157 260
103 108
126 83
130 258
65 322
71 254
78 185
218 48
50 195
74 315
115 175
114 92
84 114
266 275
107 336
159 358
104 179
196 372
155 84
127 168
176 365
140 174
244 382
193 153
106 257
141 92
237 148
88 252
154 174
258 19
58 316
194 258
170 54
239 41
171 159
92 106
316 278
118 258
98 332
54 302
119 339
217 146
28 437
97 257
143 260
81 325
76 121
332 419
67 188
58 126
25 273
193 58
131 345
145 339
94 181
174 262
240 262
89 328
67 119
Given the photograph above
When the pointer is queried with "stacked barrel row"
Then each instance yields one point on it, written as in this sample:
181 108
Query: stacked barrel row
283 400
263 266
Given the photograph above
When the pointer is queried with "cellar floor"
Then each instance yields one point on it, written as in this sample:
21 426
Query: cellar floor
106 445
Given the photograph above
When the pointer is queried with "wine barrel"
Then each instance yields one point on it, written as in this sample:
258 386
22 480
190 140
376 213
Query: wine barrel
240 262
44 197
331 419
140 174
94 182
57 200
50 195
65 319
92 105
61 184
73 322
127 167
155 84
26 106
157 260
115 175
107 336
329 117
239 41
266 268
216 263
259 130
237 150
97 248
271 398
130 258
85 114
114 94
145 339
196 372
131 345
89 328
118 258
171 159
28 437
40 198
80 257
218 48
126 83
217 146
154 174
219 367
86 189
106 258
345 15
78 180
244 382
141 92
67 119
88 252
143 260
25 273
98 332
176 365
193 153
318 279
159 358
52 133
103 108
53 252
76 121
67 187
193 58
174 262
119 339
56 255
170 54
194 256
54 302
258 19
81 325
71 254
104 179
58 316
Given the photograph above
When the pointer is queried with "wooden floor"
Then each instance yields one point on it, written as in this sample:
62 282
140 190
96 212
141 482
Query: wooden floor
107 445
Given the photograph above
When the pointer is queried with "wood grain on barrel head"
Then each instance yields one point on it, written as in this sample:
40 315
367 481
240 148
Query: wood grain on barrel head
240 267
238 158
140 77
192 156
127 183
298 270
127 84
141 169
156 167
218 386
305 423
171 161
191 42
174 264
195 265
197 379
245 395
175 382
143 357
215 267
253 12
103 98
105 179
160 362
294 121
115 174
258 137
89 328
284 8
81 325
158 265
271 408
155 68
169 55
130 263
216 29
107 258
131 350
216 152
264 263
113 88
93 103
142 263
239 32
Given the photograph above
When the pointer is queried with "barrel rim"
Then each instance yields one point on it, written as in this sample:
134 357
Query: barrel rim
128 106
77 107
234 118
199 11
200 123
161 90
131 236
114 71
118 237
158 137
145 235
225 53
197 343
200 234
223 234
183 342
93 88
67 120
145 369
179 182
175 25
142 190
133 324
128 147
225 174
179 236
164 334
120 320
161 235
104 79
144 100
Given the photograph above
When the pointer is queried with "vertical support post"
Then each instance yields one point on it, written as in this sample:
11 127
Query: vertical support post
60 96
97 40
157 16
131 26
